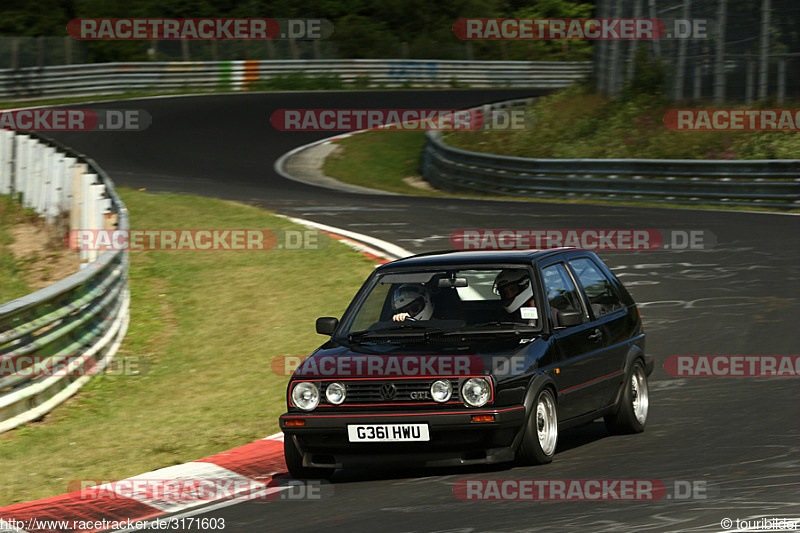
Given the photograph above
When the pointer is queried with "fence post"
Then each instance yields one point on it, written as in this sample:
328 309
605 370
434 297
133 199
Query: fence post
67 50
698 81
654 14
781 80
763 67
749 82
680 72
719 62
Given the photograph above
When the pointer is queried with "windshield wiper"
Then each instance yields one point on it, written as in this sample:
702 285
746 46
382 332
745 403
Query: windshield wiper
495 324
394 330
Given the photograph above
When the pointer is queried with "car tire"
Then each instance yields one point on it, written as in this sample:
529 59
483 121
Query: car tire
631 415
541 432
294 462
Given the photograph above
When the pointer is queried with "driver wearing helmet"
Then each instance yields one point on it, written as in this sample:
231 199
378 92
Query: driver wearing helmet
513 285
412 301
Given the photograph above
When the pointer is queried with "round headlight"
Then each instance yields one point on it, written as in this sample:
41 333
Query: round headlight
335 393
305 396
475 392
441 390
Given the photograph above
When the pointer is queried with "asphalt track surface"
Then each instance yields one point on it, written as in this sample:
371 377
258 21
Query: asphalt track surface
740 436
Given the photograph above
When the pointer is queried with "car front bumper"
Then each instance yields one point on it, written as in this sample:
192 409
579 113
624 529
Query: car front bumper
454 438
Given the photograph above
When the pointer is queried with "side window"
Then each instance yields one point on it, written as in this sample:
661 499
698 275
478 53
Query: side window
561 292
598 288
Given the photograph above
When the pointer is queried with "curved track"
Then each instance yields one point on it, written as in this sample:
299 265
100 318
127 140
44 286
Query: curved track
739 435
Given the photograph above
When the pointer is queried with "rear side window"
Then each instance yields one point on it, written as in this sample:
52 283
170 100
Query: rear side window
599 290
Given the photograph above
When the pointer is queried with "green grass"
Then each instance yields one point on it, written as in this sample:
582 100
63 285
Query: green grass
12 270
207 324
380 160
575 123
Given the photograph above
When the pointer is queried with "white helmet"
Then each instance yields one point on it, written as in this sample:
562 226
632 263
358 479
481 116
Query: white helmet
514 287
414 299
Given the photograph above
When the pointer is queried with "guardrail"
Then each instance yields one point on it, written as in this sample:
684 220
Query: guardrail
85 315
115 78
748 183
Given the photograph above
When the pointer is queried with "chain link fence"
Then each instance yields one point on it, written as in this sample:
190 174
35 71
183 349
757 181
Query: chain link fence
751 50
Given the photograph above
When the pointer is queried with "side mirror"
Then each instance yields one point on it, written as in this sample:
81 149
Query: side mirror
326 325
570 318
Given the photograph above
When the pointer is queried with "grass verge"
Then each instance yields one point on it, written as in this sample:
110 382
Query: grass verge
12 270
205 326
576 123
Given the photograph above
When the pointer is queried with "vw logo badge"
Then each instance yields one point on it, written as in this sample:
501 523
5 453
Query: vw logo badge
388 391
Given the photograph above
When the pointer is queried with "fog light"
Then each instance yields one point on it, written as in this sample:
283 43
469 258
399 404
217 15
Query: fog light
294 423
441 390
483 418
335 393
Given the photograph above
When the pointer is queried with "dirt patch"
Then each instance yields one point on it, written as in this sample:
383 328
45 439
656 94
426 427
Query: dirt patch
41 249
419 183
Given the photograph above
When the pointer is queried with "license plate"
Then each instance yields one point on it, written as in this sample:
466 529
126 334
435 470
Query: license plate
388 433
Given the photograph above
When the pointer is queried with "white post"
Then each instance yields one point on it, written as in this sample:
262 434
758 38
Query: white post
6 145
87 214
47 199
66 195
21 162
56 185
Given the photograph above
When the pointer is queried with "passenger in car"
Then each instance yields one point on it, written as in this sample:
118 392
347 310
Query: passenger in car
514 287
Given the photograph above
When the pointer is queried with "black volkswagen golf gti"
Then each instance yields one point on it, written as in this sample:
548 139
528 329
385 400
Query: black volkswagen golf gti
459 358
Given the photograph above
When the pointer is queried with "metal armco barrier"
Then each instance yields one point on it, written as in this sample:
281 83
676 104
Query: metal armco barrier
114 78
749 183
53 340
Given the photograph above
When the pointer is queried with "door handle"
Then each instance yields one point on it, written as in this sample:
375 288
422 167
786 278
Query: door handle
596 336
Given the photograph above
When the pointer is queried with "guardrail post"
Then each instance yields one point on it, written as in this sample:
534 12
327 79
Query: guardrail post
87 215
6 161
76 211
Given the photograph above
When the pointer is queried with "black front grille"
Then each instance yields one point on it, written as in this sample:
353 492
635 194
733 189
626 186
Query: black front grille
405 391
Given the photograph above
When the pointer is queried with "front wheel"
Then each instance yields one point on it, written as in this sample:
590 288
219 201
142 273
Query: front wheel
294 462
631 415
541 433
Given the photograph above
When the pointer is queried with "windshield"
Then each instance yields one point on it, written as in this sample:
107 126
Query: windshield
446 301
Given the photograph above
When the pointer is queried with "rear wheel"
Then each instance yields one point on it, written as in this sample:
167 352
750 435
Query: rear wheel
294 462
631 415
541 433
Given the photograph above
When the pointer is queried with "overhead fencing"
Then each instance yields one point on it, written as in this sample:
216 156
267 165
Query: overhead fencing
53 340
116 78
747 183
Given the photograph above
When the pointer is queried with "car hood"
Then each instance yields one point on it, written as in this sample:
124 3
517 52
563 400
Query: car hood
498 358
